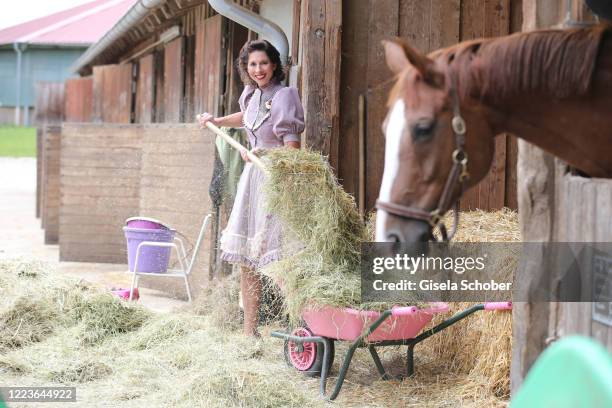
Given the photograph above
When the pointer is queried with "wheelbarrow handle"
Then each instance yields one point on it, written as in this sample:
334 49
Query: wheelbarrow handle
403 310
498 306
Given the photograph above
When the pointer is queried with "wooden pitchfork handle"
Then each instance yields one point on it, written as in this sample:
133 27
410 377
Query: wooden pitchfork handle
252 157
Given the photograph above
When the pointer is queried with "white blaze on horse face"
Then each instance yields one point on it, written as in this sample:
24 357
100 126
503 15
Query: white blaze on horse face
393 141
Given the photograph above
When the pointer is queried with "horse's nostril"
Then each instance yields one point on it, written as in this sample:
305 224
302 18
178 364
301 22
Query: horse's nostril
392 237
425 236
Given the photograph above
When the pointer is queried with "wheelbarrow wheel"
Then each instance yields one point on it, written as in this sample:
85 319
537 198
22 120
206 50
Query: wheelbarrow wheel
307 357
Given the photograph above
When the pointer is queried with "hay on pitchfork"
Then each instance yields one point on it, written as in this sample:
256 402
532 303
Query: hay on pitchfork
303 191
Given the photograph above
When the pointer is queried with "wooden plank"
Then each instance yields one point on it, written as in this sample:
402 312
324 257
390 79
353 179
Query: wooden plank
112 93
49 105
200 66
511 183
383 23
173 80
145 90
158 69
38 169
79 102
295 35
213 55
317 133
189 82
354 64
333 48
414 23
52 136
238 37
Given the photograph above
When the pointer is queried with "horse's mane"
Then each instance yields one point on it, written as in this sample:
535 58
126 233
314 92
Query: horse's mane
558 63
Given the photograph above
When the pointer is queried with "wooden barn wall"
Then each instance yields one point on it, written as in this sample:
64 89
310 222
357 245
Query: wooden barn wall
100 182
173 80
49 108
50 201
177 165
208 65
79 100
429 25
321 28
110 172
145 91
112 93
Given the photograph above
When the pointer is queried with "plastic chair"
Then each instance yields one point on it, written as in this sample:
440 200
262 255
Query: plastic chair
184 271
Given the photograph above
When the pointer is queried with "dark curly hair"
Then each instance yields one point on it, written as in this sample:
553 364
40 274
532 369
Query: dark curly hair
271 52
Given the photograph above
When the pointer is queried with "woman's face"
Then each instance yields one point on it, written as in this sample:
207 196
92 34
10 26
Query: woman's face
260 68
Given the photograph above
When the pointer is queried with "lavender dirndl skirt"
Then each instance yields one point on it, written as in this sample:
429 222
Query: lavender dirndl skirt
252 237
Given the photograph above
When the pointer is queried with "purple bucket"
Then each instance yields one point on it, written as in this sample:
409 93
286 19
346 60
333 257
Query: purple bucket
151 259
146 223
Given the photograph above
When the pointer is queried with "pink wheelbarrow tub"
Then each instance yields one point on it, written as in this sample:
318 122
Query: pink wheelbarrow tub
310 348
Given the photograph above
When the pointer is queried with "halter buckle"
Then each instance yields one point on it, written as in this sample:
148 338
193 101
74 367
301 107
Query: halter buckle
458 125
435 218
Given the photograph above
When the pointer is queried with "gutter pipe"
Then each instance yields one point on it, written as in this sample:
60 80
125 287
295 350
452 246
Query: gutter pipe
133 16
18 50
255 23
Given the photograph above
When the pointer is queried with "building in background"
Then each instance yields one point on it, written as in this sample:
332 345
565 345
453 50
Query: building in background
45 48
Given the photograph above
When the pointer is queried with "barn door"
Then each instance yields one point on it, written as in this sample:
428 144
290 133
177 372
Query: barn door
112 93
145 91
173 81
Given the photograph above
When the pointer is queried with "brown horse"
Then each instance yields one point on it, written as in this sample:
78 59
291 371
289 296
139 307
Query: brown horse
551 88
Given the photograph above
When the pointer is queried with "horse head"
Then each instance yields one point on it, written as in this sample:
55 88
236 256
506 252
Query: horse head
435 145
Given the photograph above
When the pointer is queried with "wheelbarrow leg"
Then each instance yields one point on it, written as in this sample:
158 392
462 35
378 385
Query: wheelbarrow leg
410 360
343 370
379 366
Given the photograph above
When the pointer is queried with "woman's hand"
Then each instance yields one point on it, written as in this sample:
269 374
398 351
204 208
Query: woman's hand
245 157
204 118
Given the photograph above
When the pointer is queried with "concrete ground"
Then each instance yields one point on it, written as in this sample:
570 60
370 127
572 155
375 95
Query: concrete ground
21 236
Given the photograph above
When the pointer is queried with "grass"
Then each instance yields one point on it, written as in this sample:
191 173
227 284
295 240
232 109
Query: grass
17 141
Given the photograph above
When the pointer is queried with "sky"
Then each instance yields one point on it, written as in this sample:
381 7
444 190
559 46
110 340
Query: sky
20 11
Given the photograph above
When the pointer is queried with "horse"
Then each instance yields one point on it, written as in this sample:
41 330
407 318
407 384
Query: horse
552 88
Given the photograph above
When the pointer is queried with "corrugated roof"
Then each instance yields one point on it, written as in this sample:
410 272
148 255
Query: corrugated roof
84 24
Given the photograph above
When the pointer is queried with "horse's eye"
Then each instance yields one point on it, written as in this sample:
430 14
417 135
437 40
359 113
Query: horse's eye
423 131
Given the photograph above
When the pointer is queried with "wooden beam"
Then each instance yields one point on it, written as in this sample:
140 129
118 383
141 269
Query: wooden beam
536 206
321 38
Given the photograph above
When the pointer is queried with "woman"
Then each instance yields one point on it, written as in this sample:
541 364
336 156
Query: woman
273 116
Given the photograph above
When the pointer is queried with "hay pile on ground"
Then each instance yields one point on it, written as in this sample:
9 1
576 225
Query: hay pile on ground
480 346
184 360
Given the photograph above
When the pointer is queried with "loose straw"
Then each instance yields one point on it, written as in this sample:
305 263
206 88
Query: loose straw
252 157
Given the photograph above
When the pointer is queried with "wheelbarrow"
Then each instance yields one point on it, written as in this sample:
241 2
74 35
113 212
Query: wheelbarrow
310 347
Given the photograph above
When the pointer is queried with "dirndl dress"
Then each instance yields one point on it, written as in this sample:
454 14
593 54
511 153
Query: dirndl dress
273 116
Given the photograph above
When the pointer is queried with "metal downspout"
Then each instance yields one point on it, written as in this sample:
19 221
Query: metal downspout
255 23
133 16
17 48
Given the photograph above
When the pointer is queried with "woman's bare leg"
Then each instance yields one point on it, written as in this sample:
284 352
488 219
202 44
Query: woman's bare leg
250 285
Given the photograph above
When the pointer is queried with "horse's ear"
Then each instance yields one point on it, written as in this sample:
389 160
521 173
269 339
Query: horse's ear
399 55
395 55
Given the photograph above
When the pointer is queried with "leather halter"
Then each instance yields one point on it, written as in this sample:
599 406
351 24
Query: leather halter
458 174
